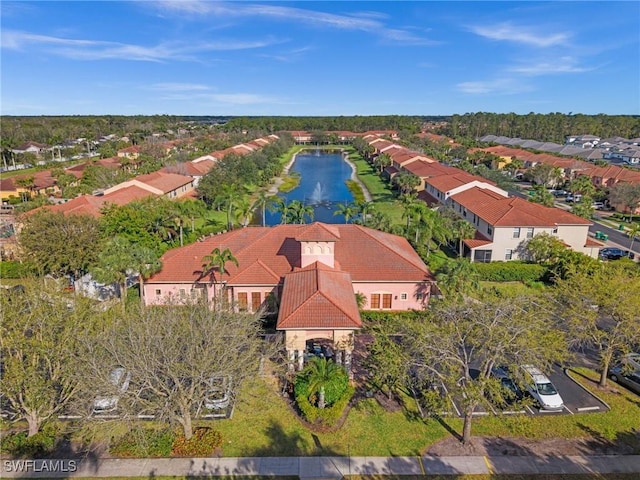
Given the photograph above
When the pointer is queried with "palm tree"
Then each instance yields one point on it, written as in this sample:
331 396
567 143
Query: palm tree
217 259
264 201
298 211
243 210
320 373
457 277
633 232
382 161
229 195
462 231
280 205
26 183
364 209
406 182
407 200
380 221
347 210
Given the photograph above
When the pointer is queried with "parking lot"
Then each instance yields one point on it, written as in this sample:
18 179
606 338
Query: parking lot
577 400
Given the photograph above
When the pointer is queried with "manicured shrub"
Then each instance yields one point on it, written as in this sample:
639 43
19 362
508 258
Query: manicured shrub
511 272
326 416
203 443
40 444
143 442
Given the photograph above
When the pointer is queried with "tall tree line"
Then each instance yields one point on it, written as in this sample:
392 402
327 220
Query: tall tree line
552 127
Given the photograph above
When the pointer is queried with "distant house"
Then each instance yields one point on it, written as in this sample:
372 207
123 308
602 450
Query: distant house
132 152
31 147
313 272
170 185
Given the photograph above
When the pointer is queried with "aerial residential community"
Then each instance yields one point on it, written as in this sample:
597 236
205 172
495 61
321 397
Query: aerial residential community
216 260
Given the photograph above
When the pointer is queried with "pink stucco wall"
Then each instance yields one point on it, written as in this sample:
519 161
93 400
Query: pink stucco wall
172 292
397 290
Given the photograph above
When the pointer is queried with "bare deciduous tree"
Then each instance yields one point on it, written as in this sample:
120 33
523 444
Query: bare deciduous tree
174 355
460 343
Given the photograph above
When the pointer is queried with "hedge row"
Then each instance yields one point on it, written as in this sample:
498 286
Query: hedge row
146 442
511 272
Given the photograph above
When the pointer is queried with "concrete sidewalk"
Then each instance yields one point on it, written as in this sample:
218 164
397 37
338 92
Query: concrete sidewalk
318 467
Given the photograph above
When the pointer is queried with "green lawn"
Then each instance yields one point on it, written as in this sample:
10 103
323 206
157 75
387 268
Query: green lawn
382 195
264 425
615 427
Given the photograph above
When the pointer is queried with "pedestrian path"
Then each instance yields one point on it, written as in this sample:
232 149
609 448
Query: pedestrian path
319 467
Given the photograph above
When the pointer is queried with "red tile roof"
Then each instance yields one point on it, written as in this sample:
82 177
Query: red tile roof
166 182
318 232
318 297
500 211
424 169
366 254
92 205
478 240
447 182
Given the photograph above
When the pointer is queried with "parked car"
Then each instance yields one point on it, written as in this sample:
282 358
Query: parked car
119 378
511 392
574 198
541 389
559 193
624 376
598 205
219 393
615 253
632 360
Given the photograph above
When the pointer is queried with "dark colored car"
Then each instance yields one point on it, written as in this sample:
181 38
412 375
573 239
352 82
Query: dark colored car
511 392
629 378
615 253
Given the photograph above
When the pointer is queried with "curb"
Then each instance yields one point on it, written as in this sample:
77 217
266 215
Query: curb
566 372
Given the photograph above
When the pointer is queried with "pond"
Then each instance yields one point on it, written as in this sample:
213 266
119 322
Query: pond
323 177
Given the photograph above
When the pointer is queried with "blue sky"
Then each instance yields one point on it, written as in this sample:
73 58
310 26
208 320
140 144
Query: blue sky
318 58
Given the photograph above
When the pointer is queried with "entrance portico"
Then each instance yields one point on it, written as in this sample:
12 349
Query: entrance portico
341 340
318 301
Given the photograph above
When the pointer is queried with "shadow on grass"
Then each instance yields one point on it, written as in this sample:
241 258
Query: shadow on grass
624 443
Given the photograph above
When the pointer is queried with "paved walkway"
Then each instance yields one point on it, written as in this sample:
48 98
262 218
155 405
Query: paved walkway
319 467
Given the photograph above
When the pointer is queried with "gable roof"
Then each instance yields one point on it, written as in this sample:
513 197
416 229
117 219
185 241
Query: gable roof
318 232
92 204
499 211
318 297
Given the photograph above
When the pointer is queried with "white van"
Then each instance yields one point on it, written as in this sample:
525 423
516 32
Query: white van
541 389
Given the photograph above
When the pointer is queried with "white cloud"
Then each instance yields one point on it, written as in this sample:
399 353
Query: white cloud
179 87
562 65
370 22
503 86
520 34
100 50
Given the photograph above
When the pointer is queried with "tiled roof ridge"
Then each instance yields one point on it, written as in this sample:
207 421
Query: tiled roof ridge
320 293
330 229
257 262
366 231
